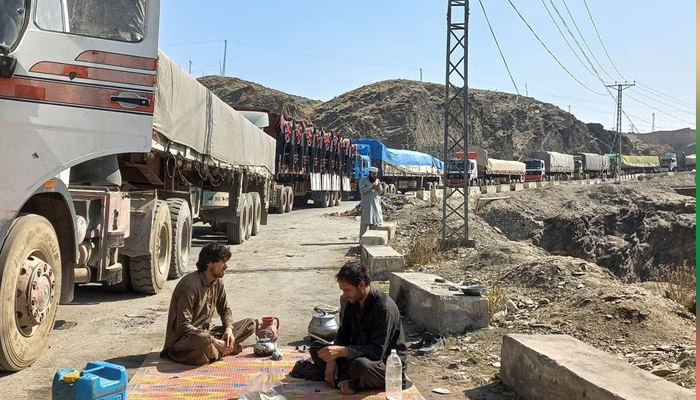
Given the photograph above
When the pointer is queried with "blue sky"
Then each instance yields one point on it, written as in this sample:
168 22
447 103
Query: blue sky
321 49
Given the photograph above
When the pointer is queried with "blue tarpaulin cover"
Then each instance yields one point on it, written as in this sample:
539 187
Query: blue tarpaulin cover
378 151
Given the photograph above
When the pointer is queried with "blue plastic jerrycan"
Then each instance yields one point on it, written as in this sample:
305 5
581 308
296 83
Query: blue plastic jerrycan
99 380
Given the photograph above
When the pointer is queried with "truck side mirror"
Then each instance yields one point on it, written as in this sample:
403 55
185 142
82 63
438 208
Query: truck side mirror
7 62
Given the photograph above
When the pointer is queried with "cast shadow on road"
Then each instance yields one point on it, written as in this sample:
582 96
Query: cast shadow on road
96 294
492 391
330 244
201 235
278 269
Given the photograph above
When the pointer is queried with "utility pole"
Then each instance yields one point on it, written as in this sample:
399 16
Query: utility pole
223 70
455 200
421 74
189 70
653 122
569 108
620 87
526 92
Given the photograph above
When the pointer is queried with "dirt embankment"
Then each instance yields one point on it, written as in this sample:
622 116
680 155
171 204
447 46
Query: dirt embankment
566 259
631 229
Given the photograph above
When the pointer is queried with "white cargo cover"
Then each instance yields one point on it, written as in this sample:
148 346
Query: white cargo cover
187 113
595 162
555 162
504 167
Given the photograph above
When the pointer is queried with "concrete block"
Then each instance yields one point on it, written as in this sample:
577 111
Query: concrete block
556 183
375 237
503 188
515 187
548 367
433 307
488 189
528 185
540 184
390 228
423 194
381 261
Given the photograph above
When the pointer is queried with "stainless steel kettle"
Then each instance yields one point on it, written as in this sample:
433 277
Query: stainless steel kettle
323 326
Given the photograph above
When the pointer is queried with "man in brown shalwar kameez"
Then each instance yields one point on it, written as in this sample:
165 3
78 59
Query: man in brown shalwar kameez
188 339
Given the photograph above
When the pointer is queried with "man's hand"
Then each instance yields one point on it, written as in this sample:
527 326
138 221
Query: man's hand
331 373
332 353
228 337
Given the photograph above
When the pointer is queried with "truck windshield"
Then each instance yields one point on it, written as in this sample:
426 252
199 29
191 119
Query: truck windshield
122 20
533 164
12 18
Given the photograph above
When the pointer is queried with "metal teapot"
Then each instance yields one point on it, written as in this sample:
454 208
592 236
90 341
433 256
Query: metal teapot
264 347
323 326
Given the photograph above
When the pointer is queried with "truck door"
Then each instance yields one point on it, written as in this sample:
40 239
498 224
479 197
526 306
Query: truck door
82 87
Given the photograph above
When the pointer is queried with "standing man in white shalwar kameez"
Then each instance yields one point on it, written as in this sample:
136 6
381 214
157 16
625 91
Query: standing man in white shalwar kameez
371 191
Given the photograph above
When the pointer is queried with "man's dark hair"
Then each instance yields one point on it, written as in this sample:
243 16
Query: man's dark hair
353 274
212 252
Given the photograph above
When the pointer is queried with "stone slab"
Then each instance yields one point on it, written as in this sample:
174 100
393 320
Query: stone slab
515 187
381 261
435 308
549 367
375 237
390 228
502 188
540 184
488 189
423 195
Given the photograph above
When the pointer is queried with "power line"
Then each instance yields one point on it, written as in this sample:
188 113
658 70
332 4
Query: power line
661 111
665 104
601 39
584 40
499 47
661 94
550 52
564 37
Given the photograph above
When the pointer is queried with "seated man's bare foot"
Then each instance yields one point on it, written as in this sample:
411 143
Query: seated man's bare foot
220 345
237 348
346 387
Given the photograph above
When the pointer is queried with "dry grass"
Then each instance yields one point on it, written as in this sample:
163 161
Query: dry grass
678 284
425 249
497 298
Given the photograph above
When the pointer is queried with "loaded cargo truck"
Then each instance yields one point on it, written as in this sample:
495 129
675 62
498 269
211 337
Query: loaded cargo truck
311 163
553 166
669 162
109 153
491 171
590 165
403 170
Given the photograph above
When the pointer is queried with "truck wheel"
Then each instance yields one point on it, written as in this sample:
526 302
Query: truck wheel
30 288
283 200
181 221
149 273
290 199
235 231
257 213
326 201
337 198
248 215
392 188
334 199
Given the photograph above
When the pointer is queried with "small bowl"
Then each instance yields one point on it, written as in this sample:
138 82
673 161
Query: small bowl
473 290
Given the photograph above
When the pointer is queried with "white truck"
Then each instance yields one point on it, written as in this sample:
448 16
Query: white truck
108 154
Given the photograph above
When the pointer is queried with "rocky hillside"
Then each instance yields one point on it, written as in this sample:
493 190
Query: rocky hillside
410 115
239 93
681 140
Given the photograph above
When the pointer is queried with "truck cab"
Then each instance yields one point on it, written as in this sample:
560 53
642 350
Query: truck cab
534 170
360 169
455 172
669 162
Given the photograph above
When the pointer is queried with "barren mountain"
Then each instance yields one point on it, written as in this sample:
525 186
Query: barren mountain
410 115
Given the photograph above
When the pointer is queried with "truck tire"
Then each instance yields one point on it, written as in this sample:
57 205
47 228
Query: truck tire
236 231
334 198
149 273
337 198
29 256
181 221
392 188
290 199
282 200
249 210
257 213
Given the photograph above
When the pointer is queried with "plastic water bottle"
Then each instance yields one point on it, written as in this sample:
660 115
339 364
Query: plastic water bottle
393 377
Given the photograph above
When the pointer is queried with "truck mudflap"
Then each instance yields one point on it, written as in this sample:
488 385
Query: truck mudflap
143 206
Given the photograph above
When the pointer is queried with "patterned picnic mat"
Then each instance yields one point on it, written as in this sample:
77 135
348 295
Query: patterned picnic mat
164 379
